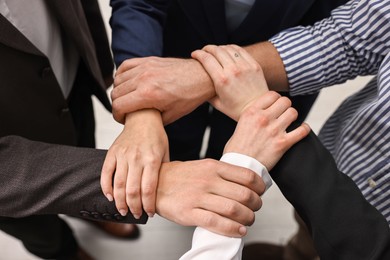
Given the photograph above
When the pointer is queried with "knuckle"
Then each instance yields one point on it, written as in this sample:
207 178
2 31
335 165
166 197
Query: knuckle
116 107
250 176
286 101
273 94
236 71
117 82
153 159
148 190
246 196
274 131
148 91
257 67
205 56
281 144
113 94
261 120
222 80
132 192
231 209
209 163
293 112
120 184
209 220
249 113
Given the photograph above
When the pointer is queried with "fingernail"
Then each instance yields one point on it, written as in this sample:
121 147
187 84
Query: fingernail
151 215
242 230
136 216
109 197
123 212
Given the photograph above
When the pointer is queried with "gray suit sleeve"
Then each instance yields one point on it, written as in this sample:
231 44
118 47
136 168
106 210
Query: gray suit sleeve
39 178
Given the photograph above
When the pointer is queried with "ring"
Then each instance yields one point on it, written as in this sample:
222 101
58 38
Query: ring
236 55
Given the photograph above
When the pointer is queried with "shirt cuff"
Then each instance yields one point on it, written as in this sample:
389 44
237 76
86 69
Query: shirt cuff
249 163
207 245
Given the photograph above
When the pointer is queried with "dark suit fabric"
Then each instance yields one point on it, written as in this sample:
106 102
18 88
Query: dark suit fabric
342 223
46 179
191 24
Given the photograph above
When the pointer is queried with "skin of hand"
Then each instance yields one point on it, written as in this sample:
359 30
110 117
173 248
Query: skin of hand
173 86
272 64
211 194
237 77
131 168
242 93
261 129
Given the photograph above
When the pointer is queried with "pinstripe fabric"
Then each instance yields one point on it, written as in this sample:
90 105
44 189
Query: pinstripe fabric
354 41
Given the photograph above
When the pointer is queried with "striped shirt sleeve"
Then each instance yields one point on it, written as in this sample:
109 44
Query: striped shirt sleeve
352 42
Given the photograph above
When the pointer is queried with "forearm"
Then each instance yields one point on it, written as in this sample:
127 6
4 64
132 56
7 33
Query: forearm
39 178
335 49
270 61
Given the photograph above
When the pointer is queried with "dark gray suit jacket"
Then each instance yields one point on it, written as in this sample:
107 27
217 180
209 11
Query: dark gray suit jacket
39 178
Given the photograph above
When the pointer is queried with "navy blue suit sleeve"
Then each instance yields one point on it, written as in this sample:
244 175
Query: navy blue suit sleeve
137 28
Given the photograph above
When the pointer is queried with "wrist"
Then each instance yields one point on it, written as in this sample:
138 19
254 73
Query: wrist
143 115
205 86
271 63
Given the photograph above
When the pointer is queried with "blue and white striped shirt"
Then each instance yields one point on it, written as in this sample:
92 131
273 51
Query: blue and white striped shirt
354 41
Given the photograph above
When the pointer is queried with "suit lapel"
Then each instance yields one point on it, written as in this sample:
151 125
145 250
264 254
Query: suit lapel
208 18
71 16
11 36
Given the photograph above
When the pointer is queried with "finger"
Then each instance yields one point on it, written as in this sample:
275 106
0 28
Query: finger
122 85
242 176
286 118
218 224
211 65
297 134
108 170
221 54
149 188
228 208
240 193
120 186
243 54
133 189
129 64
264 101
278 107
121 106
209 62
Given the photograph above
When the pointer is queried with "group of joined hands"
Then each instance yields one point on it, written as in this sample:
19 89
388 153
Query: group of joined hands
214 195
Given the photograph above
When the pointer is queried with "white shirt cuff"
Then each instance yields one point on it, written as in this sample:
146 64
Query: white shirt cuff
207 245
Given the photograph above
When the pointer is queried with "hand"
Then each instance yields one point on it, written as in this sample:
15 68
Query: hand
237 77
261 130
133 163
214 195
175 87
